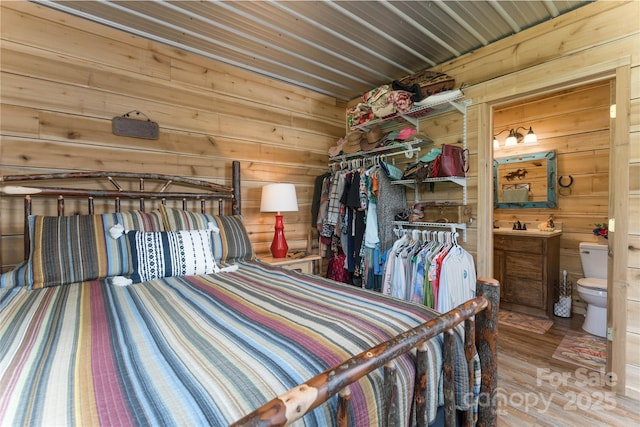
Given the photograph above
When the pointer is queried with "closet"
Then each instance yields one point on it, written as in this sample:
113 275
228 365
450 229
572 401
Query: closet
432 106
363 232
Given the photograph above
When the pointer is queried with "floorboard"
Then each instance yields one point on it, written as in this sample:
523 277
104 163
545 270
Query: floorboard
536 390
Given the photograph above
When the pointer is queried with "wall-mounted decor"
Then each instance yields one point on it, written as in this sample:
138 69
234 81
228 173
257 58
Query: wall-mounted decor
525 181
126 125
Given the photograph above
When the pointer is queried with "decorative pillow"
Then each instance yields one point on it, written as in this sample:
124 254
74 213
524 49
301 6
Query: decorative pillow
232 244
170 253
15 277
177 219
77 248
142 221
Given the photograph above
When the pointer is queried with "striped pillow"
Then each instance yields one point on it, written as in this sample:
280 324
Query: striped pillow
232 244
170 253
178 219
77 248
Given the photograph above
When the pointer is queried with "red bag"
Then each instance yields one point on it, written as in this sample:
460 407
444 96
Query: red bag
452 161
435 167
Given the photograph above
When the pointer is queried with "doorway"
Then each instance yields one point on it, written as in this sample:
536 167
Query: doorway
574 123
539 80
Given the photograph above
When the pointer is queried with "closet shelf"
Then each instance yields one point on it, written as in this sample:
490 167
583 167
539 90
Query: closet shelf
411 183
453 226
431 106
455 179
409 149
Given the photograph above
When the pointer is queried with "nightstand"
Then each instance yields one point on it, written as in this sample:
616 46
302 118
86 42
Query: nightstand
309 264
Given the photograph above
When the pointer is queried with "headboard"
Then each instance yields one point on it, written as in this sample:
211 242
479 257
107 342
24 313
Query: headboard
72 184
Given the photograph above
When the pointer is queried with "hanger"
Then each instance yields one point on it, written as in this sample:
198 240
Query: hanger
455 235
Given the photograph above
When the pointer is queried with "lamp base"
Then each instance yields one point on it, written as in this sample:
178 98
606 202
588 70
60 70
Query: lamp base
279 247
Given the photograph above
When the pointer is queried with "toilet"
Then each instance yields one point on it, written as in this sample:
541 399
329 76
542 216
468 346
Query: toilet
593 287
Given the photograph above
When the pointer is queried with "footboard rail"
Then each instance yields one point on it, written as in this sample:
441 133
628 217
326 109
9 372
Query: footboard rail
480 334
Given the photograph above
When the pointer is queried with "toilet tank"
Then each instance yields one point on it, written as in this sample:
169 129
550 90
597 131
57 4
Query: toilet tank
594 260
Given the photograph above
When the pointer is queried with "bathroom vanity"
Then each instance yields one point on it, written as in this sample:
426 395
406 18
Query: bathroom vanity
527 264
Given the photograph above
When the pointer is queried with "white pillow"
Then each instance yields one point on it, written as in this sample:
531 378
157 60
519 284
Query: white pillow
170 253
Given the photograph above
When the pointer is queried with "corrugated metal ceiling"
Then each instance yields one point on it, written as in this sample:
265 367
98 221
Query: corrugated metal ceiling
338 48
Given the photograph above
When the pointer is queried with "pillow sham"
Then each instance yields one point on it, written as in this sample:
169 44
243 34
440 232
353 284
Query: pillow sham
230 245
177 219
170 253
77 248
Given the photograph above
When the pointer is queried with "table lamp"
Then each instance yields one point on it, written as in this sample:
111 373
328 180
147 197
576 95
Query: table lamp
278 198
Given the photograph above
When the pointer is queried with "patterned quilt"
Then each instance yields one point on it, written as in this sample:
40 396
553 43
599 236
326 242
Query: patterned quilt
194 350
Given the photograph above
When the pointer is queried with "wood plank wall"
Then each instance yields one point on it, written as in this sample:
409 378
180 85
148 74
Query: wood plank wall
64 79
575 124
596 42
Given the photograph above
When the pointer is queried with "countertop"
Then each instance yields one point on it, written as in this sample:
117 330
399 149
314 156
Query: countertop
529 232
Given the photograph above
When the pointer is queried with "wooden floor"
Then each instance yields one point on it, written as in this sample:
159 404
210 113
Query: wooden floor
536 390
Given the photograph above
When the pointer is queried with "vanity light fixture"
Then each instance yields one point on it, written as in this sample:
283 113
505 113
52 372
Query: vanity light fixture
515 137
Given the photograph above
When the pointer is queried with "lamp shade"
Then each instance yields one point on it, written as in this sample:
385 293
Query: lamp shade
512 139
279 197
530 137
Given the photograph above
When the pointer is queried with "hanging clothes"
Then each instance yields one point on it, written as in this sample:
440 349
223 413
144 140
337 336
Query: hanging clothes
392 199
351 214
432 270
457 278
371 265
318 189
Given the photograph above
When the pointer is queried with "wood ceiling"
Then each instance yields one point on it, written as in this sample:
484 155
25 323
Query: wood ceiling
337 48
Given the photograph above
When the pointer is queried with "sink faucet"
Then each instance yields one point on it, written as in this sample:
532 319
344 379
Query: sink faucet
518 225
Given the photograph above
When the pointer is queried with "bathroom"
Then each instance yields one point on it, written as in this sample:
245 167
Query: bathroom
573 131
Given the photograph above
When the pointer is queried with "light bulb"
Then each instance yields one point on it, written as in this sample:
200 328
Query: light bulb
530 137
511 140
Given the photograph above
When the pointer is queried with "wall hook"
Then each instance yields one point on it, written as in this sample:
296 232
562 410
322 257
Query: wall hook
561 184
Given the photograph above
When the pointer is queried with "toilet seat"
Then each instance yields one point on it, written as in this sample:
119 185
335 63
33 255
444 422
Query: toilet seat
593 283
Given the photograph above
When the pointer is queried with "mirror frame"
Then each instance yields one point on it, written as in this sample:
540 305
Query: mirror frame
550 156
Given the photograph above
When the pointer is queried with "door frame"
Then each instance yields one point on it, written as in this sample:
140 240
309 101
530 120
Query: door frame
619 71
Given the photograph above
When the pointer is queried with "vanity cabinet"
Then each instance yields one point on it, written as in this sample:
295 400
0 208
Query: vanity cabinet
527 267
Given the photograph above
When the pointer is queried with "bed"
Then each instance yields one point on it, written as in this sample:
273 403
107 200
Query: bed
163 316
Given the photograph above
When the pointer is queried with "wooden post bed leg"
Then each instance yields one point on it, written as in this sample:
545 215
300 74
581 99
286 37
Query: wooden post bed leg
390 395
469 352
487 344
422 385
448 380
344 407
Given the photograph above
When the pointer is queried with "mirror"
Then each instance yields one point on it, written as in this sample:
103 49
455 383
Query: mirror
525 181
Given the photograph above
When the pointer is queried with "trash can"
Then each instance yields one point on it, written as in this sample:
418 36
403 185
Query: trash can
563 295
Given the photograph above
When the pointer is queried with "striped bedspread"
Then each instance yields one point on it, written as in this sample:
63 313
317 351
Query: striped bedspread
196 350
